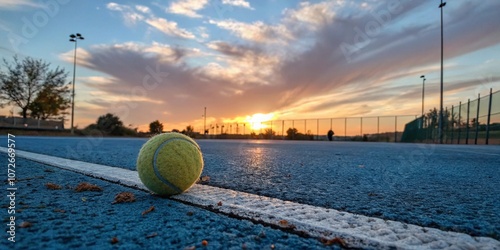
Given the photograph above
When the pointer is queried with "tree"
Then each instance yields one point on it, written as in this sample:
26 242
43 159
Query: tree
269 133
49 103
22 82
156 127
109 123
291 133
189 131
433 118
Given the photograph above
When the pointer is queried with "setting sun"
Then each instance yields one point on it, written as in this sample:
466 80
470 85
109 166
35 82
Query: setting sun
256 120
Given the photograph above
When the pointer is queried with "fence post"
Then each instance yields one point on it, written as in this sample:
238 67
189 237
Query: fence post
459 120
345 129
361 127
305 126
467 124
282 128
395 128
489 116
477 118
426 131
447 126
452 123
378 125
317 130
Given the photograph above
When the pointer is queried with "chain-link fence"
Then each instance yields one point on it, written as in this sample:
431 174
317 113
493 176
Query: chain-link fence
472 122
376 128
30 123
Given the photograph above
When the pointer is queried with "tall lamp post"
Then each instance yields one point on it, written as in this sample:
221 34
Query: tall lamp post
205 122
423 90
440 132
74 38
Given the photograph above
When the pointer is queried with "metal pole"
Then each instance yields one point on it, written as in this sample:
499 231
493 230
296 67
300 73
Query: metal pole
423 91
447 125
467 125
205 121
345 129
271 129
489 116
440 130
361 130
459 121
378 128
396 129
282 128
477 118
452 123
73 94
305 126
317 129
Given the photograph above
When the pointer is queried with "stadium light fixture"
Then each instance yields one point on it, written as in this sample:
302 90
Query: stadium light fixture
74 38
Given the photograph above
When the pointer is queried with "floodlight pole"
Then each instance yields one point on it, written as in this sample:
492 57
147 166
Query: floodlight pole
205 121
74 38
440 130
423 90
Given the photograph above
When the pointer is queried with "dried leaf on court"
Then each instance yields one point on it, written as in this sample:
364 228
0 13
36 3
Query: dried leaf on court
336 240
124 197
152 235
85 186
53 186
25 224
149 210
204 243
204 179
219 203
114 240
286 224
59 210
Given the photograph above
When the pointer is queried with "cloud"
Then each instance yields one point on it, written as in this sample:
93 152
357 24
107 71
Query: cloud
314 14
129 15
169 28
17 4
244 64
187 7
255 32
257 74
143 9
238 3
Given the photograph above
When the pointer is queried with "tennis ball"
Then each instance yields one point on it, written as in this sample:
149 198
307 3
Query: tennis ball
169 163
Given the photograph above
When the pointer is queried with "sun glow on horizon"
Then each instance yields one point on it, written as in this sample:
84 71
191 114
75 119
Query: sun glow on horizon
257 121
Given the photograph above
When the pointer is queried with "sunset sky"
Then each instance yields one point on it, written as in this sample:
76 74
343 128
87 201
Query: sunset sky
167 60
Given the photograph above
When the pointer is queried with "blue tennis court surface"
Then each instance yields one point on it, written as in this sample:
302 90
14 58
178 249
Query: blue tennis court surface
448 187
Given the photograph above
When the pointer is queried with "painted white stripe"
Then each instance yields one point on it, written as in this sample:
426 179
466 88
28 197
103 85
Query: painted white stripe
356 230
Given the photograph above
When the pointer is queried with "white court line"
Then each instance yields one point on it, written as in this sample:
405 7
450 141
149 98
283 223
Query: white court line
356 230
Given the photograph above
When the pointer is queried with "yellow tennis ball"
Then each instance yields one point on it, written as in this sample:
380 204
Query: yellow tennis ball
169 163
